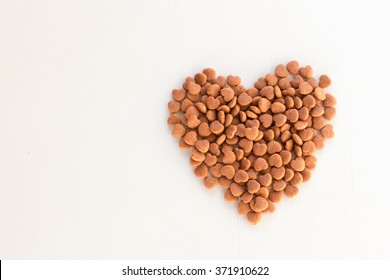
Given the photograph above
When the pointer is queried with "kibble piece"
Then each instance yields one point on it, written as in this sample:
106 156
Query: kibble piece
244 99
174 106
229 157
308 148
297 179
251 132
277 172
224 182
330 100
305 88
210 182
202 146
298 164
178 94
233 80
229 197
329 113
306 174
236 189
254 217
194 88
291 191
260 164
228 171
210 74
200 78
306 72
258 204
216 127
319 93
327 131
243 208
259 149
279 185
178 130
253 186
292 115
275 160
201 171
310 162
317 111
325 81
190 138
265 180
198 156
281 71
274 147
241 176
278 107
293 67
275 196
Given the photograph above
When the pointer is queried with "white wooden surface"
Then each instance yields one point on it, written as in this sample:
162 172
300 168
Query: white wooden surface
88 168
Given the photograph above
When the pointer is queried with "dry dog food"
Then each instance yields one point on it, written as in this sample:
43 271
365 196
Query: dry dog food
256 143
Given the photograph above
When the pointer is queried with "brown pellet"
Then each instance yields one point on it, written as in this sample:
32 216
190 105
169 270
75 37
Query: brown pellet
256 143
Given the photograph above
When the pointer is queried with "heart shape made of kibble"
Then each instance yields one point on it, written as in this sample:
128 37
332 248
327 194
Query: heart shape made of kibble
257 143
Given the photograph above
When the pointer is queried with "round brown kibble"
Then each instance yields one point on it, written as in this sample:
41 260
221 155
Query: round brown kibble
228 171
243 208
210 74
216 127
241 176
200 78
254 217
174 106
279 185
259 149
197 156
260 164
178 94
178 130
274 147
308 148
190 138
229 197
319 141
310 162
204 130
293 67
298 164
327 131
265 180
253 186
264 104
210 182
275 160
202 146
233 80
275 196
251 132
277 107
281 71
317 111
325 81
329 113
201 171
244 99
292 115
305 88
291 191
319 93
236 189
330 100
258 204
306 72
229 157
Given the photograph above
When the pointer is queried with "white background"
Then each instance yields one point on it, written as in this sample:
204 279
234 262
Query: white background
89 170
